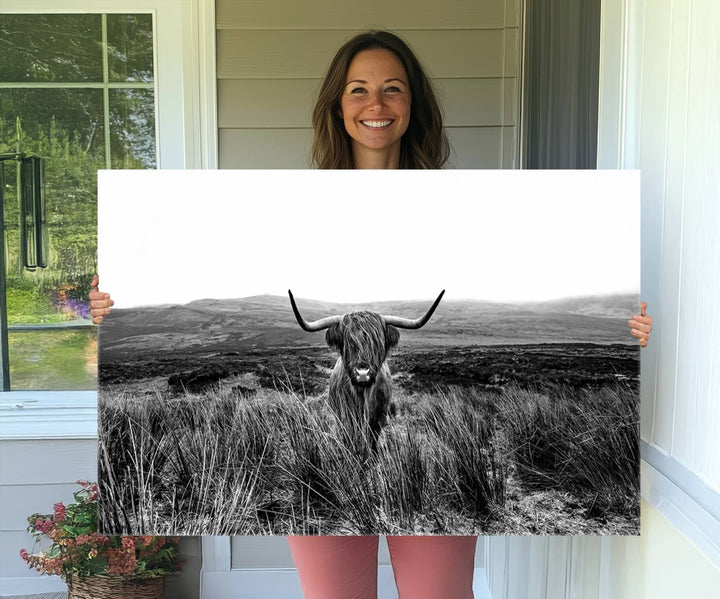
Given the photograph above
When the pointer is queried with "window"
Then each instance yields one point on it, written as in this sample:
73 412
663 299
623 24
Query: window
77 90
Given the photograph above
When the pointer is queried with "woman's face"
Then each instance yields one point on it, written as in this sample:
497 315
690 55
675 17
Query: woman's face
375 103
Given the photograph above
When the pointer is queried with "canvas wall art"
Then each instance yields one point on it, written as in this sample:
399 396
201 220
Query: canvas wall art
387 352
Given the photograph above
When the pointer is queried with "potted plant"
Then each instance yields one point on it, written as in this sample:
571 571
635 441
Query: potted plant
93 565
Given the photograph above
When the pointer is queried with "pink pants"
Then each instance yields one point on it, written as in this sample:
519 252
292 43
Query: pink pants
346 567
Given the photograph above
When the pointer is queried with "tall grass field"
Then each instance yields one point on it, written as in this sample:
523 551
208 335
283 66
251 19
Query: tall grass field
453 460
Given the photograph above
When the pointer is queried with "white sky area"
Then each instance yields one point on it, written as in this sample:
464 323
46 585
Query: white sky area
169 236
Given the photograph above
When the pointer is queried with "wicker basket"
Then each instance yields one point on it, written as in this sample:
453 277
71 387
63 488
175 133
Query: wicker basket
116 587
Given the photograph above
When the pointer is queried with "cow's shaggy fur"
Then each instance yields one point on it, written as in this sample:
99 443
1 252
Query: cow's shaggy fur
363 340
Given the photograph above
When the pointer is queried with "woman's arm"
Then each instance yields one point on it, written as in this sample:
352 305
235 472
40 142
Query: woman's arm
99 302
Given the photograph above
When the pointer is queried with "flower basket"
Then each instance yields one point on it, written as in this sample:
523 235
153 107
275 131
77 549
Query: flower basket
116 587
97 566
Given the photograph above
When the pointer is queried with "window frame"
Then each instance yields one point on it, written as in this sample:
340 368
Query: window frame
186 137
106 85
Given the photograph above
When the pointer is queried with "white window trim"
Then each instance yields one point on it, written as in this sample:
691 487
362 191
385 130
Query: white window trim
681 496
186 124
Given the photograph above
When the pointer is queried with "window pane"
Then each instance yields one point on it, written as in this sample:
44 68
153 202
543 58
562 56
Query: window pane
132 128
130 47
53 359
65 127
50 48
53 121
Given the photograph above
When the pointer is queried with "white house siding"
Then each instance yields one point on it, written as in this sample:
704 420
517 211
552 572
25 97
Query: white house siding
271 58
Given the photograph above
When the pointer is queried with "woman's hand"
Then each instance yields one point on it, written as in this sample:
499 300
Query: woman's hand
641 325
99 302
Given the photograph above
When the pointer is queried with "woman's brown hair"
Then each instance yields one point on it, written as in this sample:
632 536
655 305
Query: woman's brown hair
424 144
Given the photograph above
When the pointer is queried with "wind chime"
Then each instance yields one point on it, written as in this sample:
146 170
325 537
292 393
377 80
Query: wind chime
33 234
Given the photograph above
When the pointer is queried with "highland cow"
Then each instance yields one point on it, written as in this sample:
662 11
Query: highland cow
360 384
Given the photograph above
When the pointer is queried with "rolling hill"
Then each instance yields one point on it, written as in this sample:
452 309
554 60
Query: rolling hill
267 321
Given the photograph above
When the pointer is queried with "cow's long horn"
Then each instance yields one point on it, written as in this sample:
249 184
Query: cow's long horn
408 323
316 325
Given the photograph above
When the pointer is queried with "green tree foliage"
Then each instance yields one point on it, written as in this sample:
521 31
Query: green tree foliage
50 47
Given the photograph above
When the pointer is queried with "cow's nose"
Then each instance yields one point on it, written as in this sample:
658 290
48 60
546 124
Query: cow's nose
362 375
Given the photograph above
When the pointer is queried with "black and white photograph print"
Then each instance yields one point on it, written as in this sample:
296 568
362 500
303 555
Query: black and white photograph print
375 352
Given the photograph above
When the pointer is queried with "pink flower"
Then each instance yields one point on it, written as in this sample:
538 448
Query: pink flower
53 565
90 488
121 562
59 512
44 526
24 554
128 542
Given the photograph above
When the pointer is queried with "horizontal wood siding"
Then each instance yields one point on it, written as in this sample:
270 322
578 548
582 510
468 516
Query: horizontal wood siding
471 147
307 53
271 58
475 147
35 475
353 14
11 565
19 501
264 148
47 462
288 103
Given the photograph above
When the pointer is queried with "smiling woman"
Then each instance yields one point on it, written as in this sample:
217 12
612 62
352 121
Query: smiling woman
377 109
